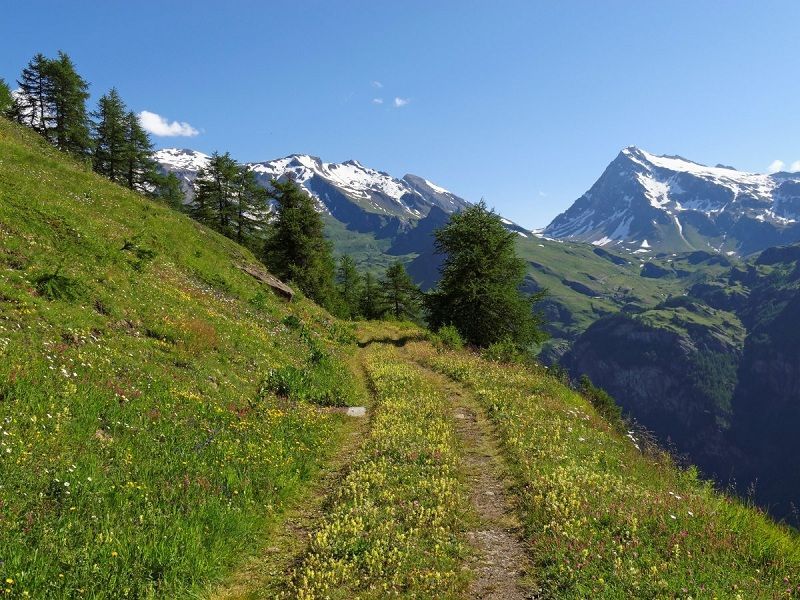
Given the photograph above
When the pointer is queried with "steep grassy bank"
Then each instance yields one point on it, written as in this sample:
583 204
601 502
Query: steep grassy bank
604 520
140 451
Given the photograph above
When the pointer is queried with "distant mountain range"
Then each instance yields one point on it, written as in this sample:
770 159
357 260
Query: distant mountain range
363 199
645 203
656 289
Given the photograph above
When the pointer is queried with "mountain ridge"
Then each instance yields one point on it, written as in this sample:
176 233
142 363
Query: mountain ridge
645 203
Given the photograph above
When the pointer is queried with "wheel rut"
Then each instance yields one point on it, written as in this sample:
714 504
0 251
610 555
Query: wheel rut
499 563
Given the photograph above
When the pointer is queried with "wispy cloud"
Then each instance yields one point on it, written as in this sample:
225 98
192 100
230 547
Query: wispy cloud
795 166
377 84
160 126
377 100
775 166
401 102
542 194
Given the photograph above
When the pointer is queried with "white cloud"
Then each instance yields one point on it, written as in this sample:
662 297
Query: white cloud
400 102
775 166
159 126
795 166
542 194
377 84
377 100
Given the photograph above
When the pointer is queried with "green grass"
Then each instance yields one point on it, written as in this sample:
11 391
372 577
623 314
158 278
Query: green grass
604 520
140 452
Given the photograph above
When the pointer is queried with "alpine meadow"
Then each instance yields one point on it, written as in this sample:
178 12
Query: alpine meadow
238 364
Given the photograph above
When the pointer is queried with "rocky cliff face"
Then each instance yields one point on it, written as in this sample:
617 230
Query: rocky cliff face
716 374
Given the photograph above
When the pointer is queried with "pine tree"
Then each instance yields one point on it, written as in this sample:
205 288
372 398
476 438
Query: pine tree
349 283
214 202
401 296
6 100
370 300
139 168
110 136
168 190
250 207
296 249
66 103
478 291
35 90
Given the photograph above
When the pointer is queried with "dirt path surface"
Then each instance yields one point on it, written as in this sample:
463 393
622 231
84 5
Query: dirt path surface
500 563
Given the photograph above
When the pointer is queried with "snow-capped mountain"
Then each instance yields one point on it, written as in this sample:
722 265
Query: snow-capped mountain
648 203
362 198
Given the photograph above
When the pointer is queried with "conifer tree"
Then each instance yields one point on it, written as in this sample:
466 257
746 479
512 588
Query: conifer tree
110 136
139 168
370 300
65 102
6 100
349 283
400 294
214 199
296 249
168 190
250 207
35 90
478 291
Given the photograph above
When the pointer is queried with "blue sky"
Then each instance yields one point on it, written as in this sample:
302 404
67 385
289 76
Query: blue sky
521 103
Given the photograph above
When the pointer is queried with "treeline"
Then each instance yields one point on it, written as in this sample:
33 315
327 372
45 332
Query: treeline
51 97
478 297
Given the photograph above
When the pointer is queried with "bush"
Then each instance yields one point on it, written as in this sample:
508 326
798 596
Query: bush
505 351
447 338
603 402
57 287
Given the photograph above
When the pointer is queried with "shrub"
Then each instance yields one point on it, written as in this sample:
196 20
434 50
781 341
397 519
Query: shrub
504 351
447 338
54 286
602 401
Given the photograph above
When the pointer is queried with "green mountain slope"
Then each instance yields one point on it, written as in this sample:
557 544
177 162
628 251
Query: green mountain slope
139 452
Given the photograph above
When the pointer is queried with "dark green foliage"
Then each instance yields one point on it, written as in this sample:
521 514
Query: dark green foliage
505 350
5 97
296 249
55 286
250 199
228 198
52 101
478 291
447 338
400 296
138 166
350 284
370 302
602 401
67 105
31 106
168 190
110 136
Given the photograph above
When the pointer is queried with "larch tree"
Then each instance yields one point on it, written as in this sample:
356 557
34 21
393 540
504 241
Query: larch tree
35 90
349 283
400 294
296 249
479 289
65 103
110 136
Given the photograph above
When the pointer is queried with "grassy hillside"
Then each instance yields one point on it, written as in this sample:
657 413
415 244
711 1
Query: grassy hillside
140 446
605 520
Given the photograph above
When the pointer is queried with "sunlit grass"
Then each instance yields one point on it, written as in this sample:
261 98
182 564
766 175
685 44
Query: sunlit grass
604 520
393 527
140 453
